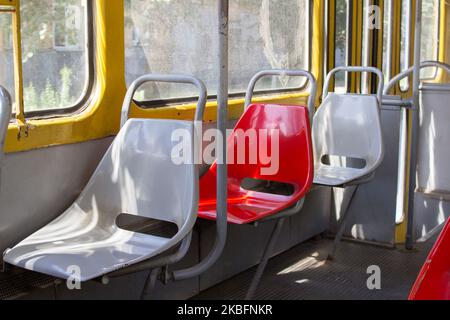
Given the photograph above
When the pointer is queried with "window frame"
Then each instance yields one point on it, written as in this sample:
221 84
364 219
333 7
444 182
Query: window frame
82 102
161 103
408 51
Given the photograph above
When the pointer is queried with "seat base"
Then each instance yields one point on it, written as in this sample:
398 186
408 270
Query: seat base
247 211
335 176
80 253
341 177
137 176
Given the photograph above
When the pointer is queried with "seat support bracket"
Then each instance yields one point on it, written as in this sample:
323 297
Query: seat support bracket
268 251
266 256
347 201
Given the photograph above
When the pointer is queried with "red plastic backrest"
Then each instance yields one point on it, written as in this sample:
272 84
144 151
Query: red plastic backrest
433 282
295 159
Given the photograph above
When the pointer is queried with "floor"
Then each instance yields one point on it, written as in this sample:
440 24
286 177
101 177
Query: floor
303 274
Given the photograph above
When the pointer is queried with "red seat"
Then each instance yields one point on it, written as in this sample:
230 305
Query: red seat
295 165
433 282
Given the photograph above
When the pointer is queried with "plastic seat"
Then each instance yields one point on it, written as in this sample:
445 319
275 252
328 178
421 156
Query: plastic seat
346 127
295 165
433 282
137 176
282 133
348 141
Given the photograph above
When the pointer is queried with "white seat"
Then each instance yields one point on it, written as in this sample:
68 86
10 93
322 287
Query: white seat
348 141
137 177
346 127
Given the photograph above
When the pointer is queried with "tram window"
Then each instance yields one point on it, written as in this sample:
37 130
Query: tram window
430 35
387 39
180 37
6 53
405 38
54 53
341 41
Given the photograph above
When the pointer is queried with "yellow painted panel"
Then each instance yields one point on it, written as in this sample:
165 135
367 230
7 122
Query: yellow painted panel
12 3
100 118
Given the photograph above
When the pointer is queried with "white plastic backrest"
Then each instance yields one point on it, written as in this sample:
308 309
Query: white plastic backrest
349 126
434 136
138 177
5 117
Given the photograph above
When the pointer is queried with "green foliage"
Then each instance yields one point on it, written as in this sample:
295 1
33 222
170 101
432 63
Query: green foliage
66 84
49 97
30 97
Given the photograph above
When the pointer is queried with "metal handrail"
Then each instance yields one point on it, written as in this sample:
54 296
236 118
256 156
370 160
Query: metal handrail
290 73
168 78
356 69
216 251
407 73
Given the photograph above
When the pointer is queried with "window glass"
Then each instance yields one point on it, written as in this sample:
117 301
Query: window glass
178 36
430 34
405 41
54 53
387 40
340 54
6 53
429 38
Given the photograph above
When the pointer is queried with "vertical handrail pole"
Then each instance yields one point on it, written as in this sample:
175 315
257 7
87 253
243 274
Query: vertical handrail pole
222 109
414 126
222 172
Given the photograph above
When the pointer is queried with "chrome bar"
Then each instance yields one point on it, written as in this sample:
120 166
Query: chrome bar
222 172
409 72
356 69
414 126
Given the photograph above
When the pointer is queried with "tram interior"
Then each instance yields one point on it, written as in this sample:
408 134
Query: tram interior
106 107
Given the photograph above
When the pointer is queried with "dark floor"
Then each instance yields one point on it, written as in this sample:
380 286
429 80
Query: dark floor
303 274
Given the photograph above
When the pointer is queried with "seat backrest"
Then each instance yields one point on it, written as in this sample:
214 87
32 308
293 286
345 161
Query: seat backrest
348 126
434 134
272 143
138 177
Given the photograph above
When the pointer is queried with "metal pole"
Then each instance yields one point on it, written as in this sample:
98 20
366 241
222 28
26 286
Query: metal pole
222 172
414 126
222 105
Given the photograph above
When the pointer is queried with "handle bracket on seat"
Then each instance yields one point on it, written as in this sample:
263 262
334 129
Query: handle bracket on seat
170 78
407 73
356 69
281 73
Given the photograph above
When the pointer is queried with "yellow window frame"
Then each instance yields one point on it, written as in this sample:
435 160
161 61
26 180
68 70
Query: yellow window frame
101 115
